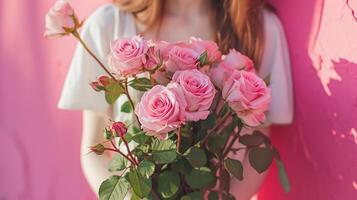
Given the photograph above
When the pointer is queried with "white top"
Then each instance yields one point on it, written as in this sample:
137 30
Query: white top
108 23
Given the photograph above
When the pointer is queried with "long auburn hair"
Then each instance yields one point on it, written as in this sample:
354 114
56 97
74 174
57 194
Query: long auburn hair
238 23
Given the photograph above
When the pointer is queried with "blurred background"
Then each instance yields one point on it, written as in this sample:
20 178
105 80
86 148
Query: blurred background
39 144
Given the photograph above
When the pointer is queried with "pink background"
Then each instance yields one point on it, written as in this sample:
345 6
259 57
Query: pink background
39 144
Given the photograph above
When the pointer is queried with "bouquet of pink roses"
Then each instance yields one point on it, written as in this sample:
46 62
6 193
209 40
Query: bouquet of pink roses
194 106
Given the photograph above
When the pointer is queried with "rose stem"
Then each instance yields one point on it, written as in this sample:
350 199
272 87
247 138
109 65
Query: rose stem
236 136
77 35
121 153
178 139
129 152
130 100
223 120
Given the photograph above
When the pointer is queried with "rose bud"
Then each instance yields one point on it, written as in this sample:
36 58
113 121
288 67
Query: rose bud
100 84
61 20
119 129
98 149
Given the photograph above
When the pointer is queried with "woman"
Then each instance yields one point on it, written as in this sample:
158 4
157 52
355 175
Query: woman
247 25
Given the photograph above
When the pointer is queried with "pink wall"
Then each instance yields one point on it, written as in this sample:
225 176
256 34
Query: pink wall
39 145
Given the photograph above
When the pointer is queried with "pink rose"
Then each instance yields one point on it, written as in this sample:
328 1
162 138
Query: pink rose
153 57
231 62
200 46
248 96
181 58
128 55
199 93
161 110
165 47
118 128
60 17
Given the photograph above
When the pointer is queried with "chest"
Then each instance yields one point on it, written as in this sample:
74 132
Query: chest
174 29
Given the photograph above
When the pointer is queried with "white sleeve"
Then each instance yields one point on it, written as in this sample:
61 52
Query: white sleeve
97 34
276 63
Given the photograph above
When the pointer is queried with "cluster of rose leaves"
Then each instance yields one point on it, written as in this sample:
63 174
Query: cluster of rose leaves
190 93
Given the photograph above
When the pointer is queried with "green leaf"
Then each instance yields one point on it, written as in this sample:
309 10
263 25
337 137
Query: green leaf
234 167
163 151
283 176
255 139
199 178
146 168
118 163
210 122
112 92
164 157
196 156
213 196
141 84
260 158
193 196
114 188
216 143
140 184
203 59
182 166
126 107
168 184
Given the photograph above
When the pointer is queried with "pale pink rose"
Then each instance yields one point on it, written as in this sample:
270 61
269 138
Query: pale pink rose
161 110
128 55
199 93
153 57
248 96
231 62
60 16
181 58
200 46
165 47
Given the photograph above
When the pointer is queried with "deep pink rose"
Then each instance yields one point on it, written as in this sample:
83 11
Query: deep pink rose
128 55
181 58
119 128
59 16
100 84
248 96
161 110
231 62
200 46
199 93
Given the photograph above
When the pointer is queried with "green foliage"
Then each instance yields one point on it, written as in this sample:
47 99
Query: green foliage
260 158
255 139
203 59
114 188
163 152
213 196
146 168
126 107
196 156
141 84
182 166
193 196
283 176
210 122
112 92
199 178
168 184
234 167
141 185
118 163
